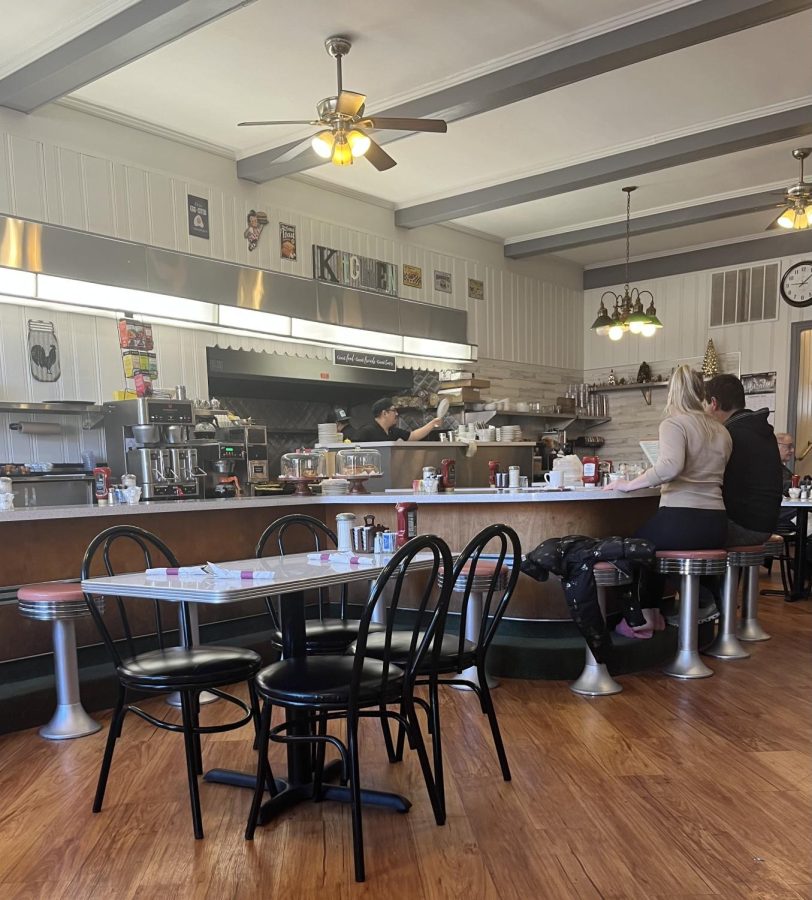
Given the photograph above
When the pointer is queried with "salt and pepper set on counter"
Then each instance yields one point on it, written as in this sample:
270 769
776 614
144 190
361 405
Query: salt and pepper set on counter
372 538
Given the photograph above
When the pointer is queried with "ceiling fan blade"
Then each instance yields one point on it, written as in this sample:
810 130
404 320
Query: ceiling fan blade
283 122
436 125
349 103
295 150
774 224
379 157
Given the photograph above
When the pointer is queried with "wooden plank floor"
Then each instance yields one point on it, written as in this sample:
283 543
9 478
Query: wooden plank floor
670 789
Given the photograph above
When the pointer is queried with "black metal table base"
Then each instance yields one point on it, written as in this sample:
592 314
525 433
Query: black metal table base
290 794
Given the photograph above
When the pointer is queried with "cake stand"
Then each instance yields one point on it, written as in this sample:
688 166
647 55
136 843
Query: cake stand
357 485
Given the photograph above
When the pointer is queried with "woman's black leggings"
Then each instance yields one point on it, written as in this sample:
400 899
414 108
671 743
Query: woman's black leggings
680 528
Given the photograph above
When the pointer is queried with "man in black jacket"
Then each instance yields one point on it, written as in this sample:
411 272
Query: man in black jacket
753 481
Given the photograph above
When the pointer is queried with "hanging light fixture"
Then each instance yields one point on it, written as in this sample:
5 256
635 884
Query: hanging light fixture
628 313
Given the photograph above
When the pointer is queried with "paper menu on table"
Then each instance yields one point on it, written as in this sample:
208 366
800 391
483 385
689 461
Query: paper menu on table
651 449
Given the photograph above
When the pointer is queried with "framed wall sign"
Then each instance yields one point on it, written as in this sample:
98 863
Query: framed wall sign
412 276
198 212
362 359
442 282
476 289
287 241
354 271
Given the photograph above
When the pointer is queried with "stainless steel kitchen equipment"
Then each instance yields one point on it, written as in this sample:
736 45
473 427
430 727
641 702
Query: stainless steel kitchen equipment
165 470
53 488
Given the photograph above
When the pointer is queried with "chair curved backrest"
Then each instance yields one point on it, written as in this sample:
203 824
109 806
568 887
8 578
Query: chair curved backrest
134 546
432 605
504 552
321 537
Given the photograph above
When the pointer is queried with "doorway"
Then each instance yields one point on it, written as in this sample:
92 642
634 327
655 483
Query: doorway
799 414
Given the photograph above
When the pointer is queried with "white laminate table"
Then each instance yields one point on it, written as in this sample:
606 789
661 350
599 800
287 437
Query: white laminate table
292 576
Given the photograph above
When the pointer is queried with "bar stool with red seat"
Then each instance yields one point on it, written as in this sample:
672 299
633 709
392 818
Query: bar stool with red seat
726 644
595 680
60 602
689 565
749 627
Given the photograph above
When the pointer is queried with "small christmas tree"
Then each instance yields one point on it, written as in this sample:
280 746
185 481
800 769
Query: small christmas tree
710 364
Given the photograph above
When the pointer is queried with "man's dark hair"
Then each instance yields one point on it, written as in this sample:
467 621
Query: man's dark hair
728 391
380 406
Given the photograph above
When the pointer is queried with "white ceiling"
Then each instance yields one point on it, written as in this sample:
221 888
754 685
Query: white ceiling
267 61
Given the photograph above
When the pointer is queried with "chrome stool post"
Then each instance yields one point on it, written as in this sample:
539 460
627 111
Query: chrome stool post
749 627
60 603
726 644
689 565
595 680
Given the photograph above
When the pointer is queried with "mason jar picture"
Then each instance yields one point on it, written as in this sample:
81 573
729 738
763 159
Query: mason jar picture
43 351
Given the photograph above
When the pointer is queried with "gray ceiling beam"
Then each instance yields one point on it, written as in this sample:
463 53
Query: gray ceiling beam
692 24
672 218
126 36
654 157
719 257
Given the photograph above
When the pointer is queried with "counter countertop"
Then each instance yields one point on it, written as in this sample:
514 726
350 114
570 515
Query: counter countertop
485 495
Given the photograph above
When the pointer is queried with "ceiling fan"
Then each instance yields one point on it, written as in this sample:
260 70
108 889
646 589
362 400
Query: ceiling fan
344 126
797 202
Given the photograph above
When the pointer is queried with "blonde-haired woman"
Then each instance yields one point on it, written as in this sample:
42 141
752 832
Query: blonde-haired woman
694 450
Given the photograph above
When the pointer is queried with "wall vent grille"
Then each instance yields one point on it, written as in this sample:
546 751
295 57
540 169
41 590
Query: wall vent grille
744 295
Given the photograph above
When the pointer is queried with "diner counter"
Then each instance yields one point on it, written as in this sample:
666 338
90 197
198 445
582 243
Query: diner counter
465 496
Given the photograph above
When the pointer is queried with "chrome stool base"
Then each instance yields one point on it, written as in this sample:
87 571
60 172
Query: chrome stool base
749 628
595 681
69 721
687 664
471 674
726 646
751 631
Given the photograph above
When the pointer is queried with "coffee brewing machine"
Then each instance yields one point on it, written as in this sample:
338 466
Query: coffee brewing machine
237 458
153 440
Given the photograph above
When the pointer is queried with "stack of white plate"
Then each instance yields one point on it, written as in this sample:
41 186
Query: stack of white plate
333 486
509 433
328 433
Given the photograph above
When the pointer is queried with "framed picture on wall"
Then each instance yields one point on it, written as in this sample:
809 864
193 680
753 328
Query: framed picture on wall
476 289
442 282
412 276
287 241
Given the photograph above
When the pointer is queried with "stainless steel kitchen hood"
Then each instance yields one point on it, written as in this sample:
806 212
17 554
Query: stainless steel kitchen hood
67 253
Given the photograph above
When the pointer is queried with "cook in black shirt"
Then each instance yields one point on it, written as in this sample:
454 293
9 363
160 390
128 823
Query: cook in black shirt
384 428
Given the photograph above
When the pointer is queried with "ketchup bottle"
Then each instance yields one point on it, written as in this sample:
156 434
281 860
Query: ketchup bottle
407 523
592 473
102 475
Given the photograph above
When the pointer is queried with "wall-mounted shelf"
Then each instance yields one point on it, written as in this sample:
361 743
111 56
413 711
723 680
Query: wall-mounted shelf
564 420
644 388
91 414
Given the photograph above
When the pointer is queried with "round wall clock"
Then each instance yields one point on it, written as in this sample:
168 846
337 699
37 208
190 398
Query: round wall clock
796 285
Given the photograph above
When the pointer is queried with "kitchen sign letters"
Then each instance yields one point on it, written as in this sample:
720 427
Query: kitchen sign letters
354 271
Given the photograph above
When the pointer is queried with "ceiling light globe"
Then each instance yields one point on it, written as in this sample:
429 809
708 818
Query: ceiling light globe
648 330
787 218
615 332
602 330
322 144
342 152
801 221
358 141
636 327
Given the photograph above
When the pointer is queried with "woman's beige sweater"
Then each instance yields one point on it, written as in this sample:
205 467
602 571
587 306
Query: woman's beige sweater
690 467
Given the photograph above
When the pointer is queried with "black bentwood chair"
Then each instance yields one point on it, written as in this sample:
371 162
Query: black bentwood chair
324 634
185 669
355 686
459 656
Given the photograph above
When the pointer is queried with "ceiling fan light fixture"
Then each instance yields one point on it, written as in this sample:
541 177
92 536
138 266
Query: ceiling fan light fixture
342 152
358 141
602 322
322 144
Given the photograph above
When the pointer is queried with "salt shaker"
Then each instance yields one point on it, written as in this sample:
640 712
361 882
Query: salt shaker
344 524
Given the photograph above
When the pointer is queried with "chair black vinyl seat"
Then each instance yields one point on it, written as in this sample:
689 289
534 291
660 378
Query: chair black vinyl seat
401 642
178 667
329 635
325 680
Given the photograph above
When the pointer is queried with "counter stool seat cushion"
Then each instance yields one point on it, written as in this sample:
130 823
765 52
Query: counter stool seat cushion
325 681
51 592
775 539
177 667
748 548
692 554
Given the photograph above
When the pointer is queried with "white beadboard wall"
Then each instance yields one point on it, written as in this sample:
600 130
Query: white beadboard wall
683 306
72 169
